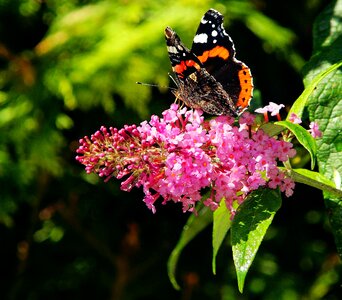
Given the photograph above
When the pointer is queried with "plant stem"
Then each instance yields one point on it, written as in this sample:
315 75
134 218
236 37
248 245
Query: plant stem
314 183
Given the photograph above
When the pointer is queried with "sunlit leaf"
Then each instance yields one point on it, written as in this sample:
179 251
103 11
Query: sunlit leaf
249 227
315 176
221 225
302 101
303 137
325 103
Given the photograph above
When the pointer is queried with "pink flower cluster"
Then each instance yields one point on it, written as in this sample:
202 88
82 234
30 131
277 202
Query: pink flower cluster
179 155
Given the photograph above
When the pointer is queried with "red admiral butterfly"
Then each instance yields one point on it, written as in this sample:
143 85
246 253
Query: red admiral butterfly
208 76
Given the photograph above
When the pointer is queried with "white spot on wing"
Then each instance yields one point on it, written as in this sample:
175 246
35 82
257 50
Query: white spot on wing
172 49
214 33
201 38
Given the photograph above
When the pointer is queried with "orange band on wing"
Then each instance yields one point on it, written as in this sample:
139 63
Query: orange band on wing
180 68
218 51
246 83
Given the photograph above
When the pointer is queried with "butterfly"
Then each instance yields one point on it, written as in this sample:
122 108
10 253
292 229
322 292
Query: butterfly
209 77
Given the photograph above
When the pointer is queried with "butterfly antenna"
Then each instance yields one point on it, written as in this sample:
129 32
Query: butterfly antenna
174 80
156 85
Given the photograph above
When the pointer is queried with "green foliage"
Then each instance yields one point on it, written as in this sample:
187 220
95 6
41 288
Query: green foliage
221 225
325 103
303 137
300 104
318 177
249 227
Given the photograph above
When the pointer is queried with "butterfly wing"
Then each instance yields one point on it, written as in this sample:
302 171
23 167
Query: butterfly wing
183 61
215 49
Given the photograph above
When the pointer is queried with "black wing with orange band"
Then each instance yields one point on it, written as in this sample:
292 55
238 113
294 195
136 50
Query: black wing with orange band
183 61
215 49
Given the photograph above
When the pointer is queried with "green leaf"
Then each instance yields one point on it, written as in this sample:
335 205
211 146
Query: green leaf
303 137
315 176
221 225
301 102
192 228
316 180
249 227
327 27
325 104
271 129
326 57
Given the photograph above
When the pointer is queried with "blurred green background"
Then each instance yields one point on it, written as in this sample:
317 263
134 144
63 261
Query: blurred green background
68 67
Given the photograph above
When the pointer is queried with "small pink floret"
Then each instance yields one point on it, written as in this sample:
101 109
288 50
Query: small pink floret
314 130
295 119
